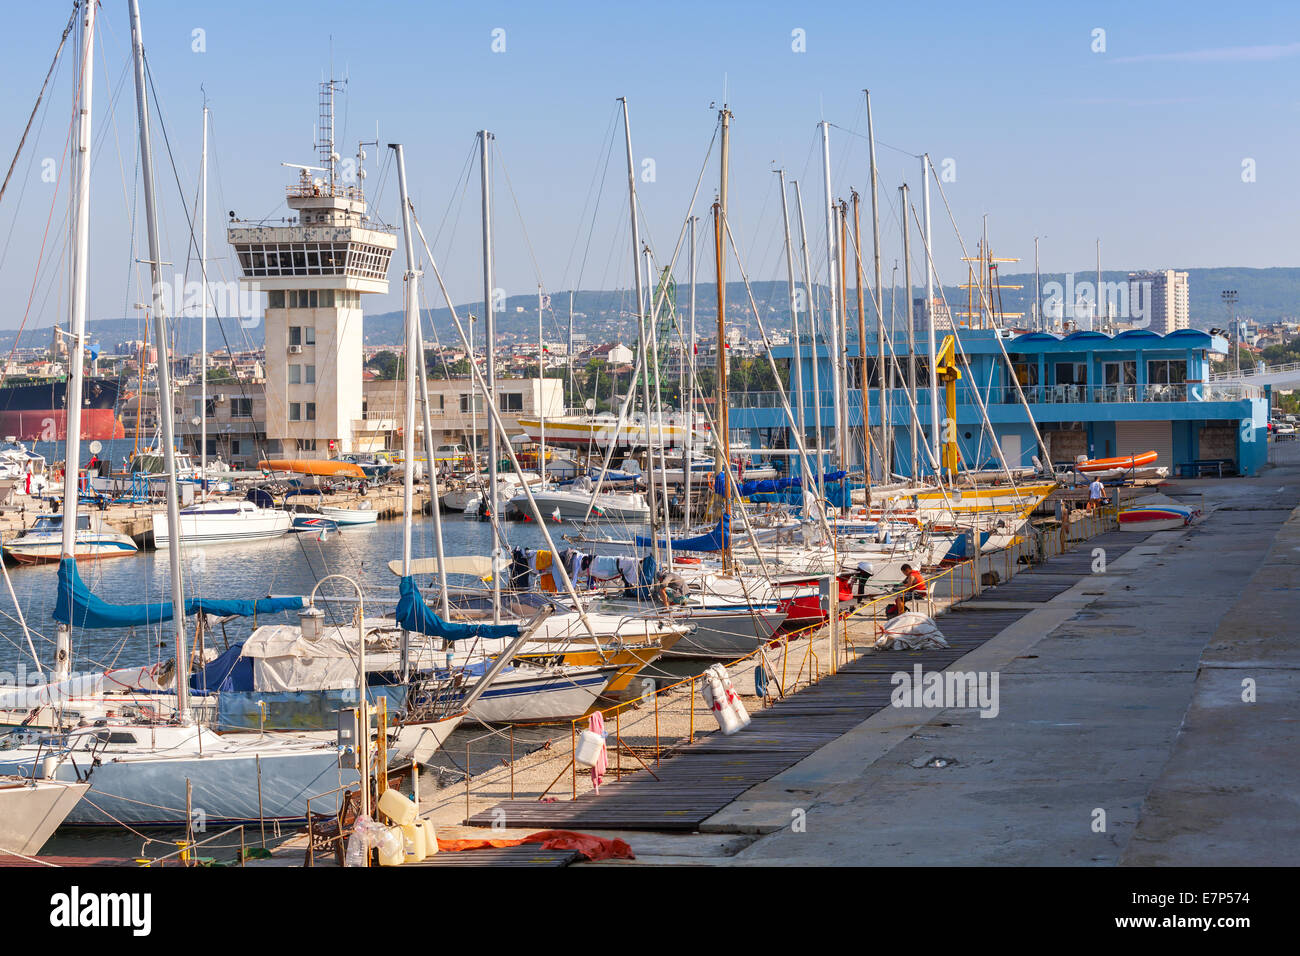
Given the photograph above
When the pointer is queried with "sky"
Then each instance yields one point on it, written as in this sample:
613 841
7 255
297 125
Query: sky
1169 131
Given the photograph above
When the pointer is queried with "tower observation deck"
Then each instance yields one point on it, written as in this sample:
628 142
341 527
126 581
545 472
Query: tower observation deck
314 271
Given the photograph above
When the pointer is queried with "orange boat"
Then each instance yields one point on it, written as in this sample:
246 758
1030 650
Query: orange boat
314 466
1123 463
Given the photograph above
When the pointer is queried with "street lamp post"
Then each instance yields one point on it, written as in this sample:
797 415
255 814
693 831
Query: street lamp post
1229 297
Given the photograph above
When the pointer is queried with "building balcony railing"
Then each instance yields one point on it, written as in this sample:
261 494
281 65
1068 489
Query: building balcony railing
1033 394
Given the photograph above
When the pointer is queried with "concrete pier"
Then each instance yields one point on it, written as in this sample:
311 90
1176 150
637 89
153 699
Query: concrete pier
1127 732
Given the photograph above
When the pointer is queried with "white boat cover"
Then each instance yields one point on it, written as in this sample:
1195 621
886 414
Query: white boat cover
911 631
283 660
480 566
45 695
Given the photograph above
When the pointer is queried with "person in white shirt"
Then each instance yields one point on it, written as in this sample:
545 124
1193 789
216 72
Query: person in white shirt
1096 494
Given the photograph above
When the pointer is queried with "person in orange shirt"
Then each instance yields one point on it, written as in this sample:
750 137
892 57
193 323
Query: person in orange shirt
914 582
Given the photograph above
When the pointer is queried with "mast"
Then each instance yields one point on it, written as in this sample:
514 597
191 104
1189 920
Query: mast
165 410
720 259
843 344
641 325
541 389
929 316
1038 316
489 310
569 353
203 314
820 463
832 264
689 398
911 330
444 601
408 430
797 378
80 264
885 373
862 348
653 337
1096 299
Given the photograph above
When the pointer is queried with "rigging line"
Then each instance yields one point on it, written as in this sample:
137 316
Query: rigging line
41 254
4 254
986 423
537 269
598 191
897 149
983 302
39 96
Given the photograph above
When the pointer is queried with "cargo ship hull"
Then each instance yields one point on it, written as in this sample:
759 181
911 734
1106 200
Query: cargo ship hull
38 411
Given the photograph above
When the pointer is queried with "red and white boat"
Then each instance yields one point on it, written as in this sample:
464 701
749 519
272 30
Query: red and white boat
1156 517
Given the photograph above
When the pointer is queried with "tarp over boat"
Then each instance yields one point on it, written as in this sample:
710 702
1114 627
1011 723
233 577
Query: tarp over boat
768 485
414 615
78 607
714 540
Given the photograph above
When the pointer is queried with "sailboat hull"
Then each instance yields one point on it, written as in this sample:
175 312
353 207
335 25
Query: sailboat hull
29 814
147 790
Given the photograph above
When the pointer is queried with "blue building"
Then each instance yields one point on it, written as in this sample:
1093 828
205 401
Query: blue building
1090 394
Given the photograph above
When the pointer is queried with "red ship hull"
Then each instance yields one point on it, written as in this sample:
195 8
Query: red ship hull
49 424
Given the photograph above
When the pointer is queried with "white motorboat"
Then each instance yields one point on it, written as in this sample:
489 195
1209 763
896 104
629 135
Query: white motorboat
213 521
31 810
24 467
363 513
575 500
43 541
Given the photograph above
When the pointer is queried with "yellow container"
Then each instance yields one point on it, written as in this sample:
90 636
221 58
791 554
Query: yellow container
413 842
430 837
398 808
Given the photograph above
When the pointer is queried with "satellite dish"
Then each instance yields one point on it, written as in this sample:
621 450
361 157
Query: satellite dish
590 404
196 421
361 173
362 155
96 448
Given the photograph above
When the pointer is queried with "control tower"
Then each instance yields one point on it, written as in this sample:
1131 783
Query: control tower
314 271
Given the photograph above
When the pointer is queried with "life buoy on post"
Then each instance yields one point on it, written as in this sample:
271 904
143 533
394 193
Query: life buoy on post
721 698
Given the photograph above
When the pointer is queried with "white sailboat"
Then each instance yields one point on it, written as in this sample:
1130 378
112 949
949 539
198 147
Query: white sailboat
31 810
209 522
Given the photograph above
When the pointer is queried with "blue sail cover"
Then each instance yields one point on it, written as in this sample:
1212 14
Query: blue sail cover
414 615
769 485
77 606
715 540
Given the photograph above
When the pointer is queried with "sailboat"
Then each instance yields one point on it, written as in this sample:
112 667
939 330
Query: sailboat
31 810
140 771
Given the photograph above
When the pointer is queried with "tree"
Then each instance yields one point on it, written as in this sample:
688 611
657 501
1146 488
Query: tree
387 366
